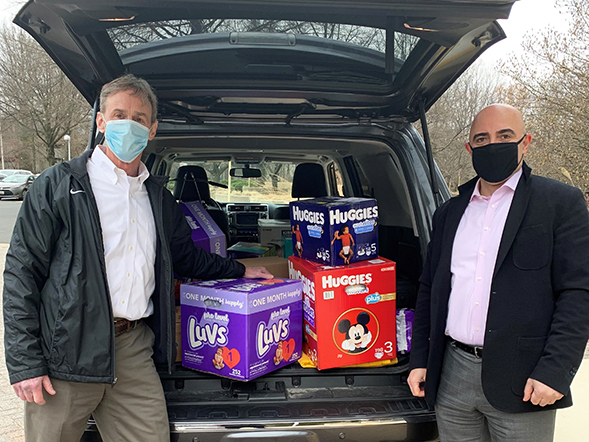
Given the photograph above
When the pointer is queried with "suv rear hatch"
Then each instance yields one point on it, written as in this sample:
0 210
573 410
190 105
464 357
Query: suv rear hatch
414 51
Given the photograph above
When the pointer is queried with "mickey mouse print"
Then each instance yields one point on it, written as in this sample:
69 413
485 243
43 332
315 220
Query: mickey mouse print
356 330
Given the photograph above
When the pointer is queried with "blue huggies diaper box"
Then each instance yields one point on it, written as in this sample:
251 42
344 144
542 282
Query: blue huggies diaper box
333 230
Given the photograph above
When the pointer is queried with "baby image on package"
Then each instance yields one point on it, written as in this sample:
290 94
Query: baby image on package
243 328
347 243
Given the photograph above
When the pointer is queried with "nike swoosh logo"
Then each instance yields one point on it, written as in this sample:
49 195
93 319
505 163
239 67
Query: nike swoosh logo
73 192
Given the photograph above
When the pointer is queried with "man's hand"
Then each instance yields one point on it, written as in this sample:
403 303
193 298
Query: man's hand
540 394
31 390
415 381
257 273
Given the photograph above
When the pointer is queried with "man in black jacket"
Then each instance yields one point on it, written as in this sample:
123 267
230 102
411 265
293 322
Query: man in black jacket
502 315
88 283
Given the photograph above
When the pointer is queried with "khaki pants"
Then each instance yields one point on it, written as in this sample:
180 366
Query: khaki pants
133 410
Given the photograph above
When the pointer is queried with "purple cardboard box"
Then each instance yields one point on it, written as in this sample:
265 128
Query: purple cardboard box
206 234
334 231
405 318
241 328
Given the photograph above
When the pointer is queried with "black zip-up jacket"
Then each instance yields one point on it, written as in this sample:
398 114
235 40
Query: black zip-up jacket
58 317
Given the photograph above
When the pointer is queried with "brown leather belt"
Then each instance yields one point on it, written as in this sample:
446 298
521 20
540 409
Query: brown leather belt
123 326
474 350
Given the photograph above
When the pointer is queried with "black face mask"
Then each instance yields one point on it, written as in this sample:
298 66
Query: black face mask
495 162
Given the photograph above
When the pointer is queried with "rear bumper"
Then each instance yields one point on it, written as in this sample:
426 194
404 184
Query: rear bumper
420 428
360 430
12 193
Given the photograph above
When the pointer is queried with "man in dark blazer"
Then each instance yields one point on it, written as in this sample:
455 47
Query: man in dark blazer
502 315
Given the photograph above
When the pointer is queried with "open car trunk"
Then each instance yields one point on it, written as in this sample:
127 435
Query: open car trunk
324 404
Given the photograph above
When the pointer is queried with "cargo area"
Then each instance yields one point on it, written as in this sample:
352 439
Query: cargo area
293 395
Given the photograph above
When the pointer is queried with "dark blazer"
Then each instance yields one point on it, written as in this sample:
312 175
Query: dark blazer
538 318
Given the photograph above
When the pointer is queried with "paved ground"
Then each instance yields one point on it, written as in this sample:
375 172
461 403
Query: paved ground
8 211
571 424
11 407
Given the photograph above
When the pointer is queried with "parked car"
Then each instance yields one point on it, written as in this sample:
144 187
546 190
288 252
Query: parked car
15 186
7 172
334 84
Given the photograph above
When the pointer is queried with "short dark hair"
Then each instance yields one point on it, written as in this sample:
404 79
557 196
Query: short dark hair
137 86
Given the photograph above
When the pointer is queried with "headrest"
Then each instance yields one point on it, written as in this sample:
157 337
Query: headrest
309 181
192 184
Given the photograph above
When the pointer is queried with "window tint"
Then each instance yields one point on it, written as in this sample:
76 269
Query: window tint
128 36
274 186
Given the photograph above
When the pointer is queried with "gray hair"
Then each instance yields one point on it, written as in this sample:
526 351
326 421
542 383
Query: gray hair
137 86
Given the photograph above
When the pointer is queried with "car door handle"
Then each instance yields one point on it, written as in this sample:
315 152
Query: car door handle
286 436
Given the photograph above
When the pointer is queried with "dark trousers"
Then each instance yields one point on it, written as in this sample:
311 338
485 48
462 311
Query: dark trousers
465 415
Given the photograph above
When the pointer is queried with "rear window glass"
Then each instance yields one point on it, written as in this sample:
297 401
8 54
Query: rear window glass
128 36
274 186
16 179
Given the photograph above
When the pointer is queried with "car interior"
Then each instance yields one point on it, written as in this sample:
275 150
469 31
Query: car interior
292 169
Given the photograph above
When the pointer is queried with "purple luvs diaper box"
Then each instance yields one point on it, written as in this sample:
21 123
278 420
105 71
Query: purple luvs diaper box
333 230
241 328
206 234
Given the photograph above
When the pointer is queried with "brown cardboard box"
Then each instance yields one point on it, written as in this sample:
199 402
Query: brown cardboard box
274 231
274 264
178 336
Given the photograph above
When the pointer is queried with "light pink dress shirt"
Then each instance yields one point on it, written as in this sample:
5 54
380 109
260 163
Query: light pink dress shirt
473 261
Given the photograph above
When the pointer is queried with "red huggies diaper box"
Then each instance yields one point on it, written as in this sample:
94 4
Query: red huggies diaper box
242 328
349 311
334 230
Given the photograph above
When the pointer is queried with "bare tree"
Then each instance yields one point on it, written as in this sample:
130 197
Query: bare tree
374 38
449 120
215 170
35 94
552 82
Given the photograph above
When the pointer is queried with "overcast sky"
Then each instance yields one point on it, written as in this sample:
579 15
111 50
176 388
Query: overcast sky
526 16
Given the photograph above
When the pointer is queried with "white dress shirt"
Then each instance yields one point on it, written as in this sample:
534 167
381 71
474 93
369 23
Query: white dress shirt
128 235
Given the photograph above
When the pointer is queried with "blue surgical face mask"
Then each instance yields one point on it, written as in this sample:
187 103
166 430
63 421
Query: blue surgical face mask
126 138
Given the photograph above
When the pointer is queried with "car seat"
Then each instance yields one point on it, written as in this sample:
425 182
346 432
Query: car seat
309 181
192 184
